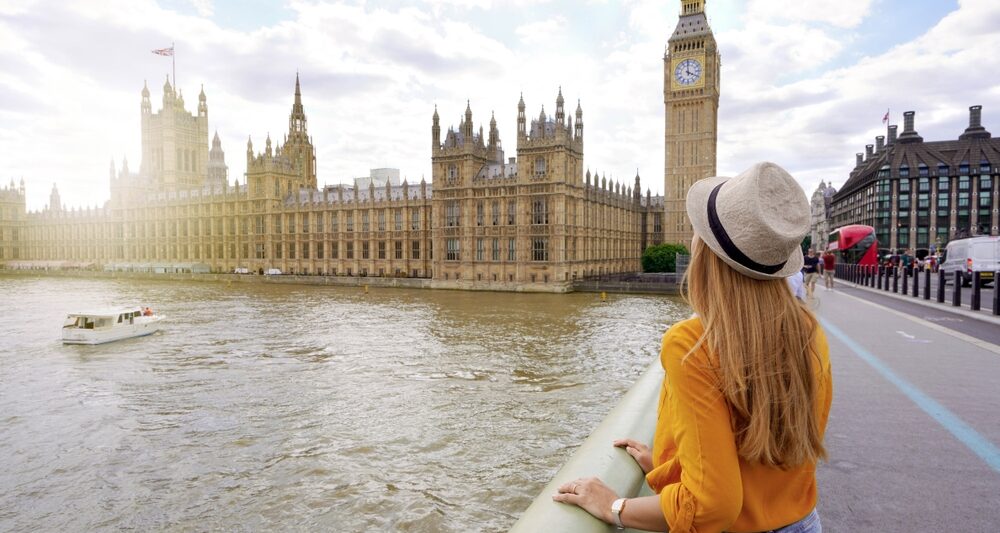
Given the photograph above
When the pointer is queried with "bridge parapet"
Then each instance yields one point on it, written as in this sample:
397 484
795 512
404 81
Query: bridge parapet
634 417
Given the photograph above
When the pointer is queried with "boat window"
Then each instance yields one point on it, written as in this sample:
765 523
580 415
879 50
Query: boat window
120 318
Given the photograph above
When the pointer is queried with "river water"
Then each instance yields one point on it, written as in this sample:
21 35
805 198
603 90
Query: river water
298 408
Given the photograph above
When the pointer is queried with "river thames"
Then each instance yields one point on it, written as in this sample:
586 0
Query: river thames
276 407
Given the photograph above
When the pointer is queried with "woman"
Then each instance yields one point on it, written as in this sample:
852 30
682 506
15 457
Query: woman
747 385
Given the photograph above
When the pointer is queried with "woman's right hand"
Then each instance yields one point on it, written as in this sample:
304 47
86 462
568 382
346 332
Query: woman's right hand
639 451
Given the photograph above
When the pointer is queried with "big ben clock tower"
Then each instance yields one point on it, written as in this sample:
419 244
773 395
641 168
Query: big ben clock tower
691 98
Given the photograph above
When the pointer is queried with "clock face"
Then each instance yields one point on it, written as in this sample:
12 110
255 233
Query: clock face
687 72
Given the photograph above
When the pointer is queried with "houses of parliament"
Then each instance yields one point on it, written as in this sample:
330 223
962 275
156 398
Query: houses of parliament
538 220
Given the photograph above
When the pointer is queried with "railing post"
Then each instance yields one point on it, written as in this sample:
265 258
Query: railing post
878 280
996 293
871 275
906 280
895 279
974 303
940 287
916 282
927 284
956 294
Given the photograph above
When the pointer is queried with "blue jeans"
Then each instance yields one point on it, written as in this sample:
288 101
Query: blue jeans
809 524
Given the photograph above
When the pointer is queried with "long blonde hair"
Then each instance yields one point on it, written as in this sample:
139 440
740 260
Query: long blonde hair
764 340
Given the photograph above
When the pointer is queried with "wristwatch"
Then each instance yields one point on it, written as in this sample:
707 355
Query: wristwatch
616 510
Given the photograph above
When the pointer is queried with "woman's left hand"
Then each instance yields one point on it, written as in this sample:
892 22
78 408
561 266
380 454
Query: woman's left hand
591 494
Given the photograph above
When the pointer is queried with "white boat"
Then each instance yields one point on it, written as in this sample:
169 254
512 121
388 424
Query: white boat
99 327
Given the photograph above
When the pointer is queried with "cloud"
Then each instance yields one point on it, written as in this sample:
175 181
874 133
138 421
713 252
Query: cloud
795 87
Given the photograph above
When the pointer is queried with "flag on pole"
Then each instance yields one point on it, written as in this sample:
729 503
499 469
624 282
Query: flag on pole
164 51
885 119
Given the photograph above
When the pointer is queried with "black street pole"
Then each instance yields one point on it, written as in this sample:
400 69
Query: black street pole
927 284
940 287
974 303
956 295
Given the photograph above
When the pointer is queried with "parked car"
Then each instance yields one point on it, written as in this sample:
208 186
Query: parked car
975 254
272 272
241 270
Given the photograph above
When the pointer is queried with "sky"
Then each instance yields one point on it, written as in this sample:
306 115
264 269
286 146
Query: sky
804 84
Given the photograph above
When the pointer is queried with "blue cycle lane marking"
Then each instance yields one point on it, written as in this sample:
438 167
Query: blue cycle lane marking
962 431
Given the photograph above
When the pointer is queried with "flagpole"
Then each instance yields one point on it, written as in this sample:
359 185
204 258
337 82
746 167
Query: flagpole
173 62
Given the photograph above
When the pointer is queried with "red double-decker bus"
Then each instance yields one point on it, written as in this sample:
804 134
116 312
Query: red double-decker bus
854 245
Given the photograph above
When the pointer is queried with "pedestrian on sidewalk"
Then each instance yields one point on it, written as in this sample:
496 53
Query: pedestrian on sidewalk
811 271
829 265
747 385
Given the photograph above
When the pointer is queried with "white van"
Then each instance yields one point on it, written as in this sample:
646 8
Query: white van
241 270
272 272
975 254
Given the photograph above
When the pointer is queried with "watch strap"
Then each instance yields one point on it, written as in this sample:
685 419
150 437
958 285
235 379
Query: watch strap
616 511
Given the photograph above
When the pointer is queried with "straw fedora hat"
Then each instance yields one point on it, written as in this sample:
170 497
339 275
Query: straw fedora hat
755 221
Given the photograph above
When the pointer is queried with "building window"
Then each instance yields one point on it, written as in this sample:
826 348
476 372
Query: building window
451 213
334 222
258 224
398 219
350 221
415 250
495 250
365 225
539 210
479 213
305 222
511 252
398 245
964 183
259 251
305 250
334 250
291 223
539 165
452 250
381 219
381 249
319 222
452 172
366 250
319 250
495 212
350 250
539 249
291 250
480 249
511 212
923 184
657 222
922 169
414 218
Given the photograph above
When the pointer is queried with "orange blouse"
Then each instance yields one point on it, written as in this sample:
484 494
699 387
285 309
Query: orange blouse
703 483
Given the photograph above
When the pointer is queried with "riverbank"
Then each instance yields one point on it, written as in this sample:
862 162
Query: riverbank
612 286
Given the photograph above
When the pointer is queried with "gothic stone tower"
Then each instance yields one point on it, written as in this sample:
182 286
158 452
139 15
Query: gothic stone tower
174 142
691 97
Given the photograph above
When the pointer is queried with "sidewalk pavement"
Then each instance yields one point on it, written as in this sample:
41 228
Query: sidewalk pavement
914 431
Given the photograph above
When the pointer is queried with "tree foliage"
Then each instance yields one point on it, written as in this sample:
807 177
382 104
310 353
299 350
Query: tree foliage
662 257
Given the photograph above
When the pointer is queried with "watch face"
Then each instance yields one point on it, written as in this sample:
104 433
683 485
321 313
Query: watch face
687 72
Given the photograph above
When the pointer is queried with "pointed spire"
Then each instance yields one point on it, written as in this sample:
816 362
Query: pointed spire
436 117
201 95
493 119
298 91
520 103
579 110
559 99
145 89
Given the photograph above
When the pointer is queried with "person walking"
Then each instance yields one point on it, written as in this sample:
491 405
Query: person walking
829 266
811 269
747 386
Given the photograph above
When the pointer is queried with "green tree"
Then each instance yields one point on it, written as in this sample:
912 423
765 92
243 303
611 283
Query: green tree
807 243
662 257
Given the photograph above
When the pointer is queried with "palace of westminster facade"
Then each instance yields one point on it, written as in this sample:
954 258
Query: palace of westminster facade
484 221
